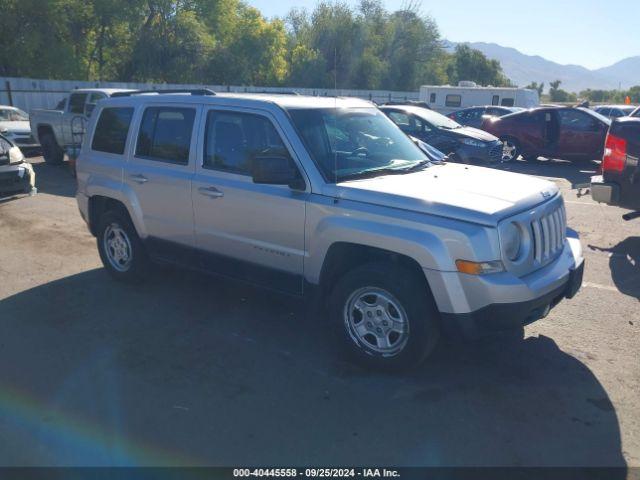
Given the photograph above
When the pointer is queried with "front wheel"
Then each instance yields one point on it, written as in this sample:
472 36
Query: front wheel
510 149
121 250
385 316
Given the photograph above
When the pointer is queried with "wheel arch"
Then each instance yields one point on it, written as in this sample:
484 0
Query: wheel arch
344 256
99 204
44 129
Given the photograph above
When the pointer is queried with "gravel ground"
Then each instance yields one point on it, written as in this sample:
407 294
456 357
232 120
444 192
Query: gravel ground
190 370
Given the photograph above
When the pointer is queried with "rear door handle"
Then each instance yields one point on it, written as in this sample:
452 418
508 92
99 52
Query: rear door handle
212 192
139 178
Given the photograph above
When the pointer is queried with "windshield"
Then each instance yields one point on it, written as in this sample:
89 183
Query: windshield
356 142
436 119
13 115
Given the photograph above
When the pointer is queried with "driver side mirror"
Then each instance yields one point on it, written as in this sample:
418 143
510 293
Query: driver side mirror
276 170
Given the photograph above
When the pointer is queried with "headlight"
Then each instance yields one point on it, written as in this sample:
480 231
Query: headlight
511 241
15 155
473 143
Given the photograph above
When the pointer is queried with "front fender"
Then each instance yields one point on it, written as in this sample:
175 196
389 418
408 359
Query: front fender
433 242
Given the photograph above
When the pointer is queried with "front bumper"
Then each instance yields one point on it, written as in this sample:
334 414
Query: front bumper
471 305
499 317
491 153
19 178
604 192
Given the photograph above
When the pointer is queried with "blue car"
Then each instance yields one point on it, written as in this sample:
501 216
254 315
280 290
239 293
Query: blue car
465 144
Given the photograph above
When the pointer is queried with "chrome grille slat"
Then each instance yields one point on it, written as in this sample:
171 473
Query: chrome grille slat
556 230
535 225
549 234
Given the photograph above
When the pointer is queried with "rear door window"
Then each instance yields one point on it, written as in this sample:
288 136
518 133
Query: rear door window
165 134
112 130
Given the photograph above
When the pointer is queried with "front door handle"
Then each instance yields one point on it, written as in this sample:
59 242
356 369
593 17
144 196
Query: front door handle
212 192
139 178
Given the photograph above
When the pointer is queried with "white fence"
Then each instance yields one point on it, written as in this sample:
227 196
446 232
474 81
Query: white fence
30 93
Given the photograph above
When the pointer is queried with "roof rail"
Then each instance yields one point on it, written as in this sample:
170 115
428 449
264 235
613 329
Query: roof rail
192 91
266 92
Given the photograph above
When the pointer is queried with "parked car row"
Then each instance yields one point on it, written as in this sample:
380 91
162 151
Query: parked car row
476 116
327 197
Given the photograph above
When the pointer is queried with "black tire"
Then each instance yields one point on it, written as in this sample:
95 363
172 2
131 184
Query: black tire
51 151
403 286
514 144
135 269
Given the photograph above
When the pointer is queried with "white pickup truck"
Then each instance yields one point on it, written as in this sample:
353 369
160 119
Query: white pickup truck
60 131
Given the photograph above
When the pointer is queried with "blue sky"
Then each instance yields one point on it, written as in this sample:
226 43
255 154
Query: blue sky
581 32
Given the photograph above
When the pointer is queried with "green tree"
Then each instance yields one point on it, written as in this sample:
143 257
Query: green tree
472 64
556 94
538 87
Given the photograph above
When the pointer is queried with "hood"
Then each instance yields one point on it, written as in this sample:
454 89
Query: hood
18 127
475 133
472 194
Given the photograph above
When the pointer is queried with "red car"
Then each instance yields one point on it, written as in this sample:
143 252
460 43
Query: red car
553 132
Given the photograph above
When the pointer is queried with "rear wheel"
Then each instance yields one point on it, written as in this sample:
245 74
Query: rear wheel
51 151
510 149
385 316
121 250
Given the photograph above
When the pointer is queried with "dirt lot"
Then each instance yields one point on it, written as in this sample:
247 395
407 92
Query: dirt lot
187 369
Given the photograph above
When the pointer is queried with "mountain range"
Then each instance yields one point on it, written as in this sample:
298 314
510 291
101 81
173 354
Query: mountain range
523 69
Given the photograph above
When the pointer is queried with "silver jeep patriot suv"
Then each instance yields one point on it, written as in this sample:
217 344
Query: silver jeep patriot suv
325 195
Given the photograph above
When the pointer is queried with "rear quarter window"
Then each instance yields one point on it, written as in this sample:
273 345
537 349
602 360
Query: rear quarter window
112 130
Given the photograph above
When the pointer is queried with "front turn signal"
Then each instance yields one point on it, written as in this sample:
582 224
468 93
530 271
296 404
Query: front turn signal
479 268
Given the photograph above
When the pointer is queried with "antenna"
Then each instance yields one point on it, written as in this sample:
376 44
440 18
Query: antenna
335 108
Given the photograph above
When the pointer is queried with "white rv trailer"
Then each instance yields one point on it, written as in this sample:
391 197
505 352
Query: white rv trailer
446 99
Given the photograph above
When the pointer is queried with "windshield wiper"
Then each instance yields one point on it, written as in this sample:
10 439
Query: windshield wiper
418 166
383 171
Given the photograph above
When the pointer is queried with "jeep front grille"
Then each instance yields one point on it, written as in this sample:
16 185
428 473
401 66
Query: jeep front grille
549 233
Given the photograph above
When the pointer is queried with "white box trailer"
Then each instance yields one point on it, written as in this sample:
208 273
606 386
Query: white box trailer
446 98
